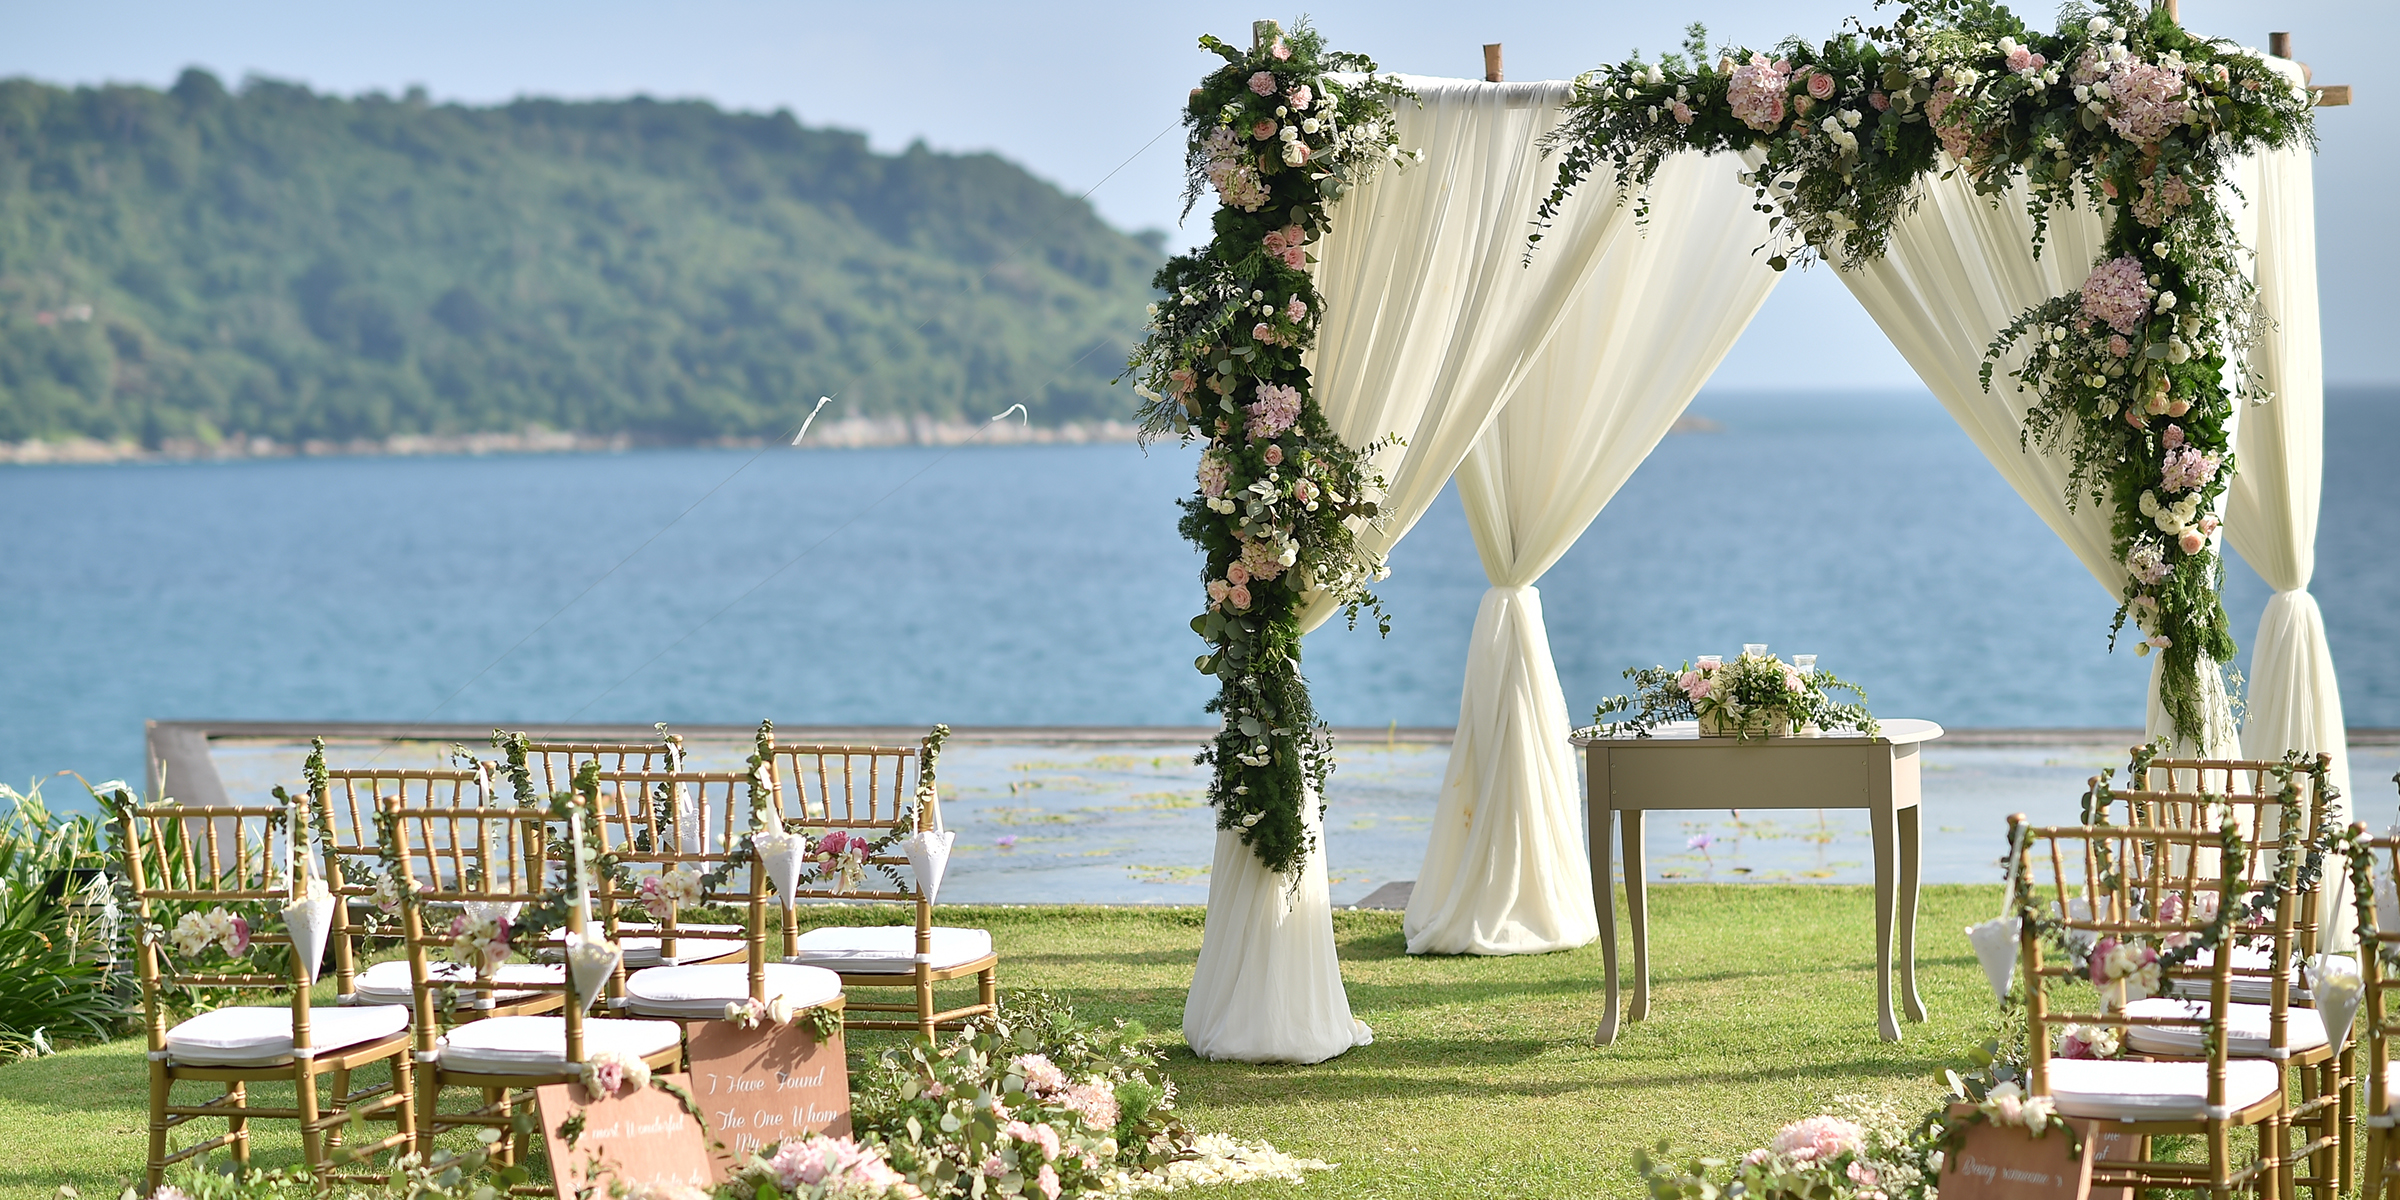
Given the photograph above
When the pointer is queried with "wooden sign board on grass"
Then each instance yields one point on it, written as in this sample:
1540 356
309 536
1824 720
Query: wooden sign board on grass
760 1086
641 1136
2003 1162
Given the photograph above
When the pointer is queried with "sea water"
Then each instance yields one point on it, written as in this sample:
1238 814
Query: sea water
1034 585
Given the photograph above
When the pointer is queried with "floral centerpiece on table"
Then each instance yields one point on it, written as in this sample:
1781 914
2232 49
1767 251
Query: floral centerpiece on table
1755 695
2135 375
1277 135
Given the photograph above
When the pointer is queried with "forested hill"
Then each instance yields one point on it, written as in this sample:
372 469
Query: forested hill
199 262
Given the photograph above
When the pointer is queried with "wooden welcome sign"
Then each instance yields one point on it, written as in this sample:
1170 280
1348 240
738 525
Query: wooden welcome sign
2003 1162
641 1137
760 1086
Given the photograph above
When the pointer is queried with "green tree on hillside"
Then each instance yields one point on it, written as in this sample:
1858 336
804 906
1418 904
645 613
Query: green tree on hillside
200 262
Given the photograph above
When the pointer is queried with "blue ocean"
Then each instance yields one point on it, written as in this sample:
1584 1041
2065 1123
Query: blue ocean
1045 585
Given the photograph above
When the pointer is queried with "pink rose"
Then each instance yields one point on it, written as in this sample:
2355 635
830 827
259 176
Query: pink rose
1801 105
1047 1180
2176 408
1263 84
1301 98
1862 1174
1820 85
2117 345
2020 59
1238 596
2160 641
1296 311
2099 959
1682 111
1879 102
1281 52
1274 454
1236 574
241 937
2172 438
1216 592
2208 524
1263 333
2191 541
1263 130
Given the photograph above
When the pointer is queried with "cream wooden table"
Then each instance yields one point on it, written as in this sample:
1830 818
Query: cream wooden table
1676 768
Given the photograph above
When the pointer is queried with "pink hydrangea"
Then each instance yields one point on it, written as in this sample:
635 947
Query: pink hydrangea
2145 102
1095 1101
1214 473
1264 334
2117 295
2159 200
2118 346
1047 1180
1042 1077
1957 136
1261 560
2187 469
1281 51
1816 1139
1263 83
850 1168
2172 438
1756 92
2146 563
1276 409
1235 180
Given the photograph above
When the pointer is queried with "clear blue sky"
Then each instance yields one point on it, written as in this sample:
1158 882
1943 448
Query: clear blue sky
1071 90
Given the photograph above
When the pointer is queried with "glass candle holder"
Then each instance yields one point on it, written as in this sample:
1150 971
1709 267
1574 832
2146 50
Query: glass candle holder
1805 663
1754 649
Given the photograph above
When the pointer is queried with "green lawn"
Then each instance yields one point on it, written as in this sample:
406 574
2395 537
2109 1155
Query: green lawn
1482 1078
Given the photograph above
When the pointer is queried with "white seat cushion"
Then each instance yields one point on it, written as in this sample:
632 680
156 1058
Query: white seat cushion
643 952
701 993
2117 1089
258 1037
538 1045
2245 1026
887 949
390 982
2248 989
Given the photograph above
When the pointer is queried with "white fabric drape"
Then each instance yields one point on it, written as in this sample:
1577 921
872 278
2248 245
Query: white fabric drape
1432 320
1959 270
1506 871
2280 450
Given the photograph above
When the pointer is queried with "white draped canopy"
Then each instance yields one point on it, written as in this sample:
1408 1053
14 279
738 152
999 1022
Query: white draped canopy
1542 385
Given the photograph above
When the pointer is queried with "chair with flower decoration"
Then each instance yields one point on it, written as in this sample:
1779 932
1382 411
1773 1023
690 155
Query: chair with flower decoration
209 881
361 868
545 768
464 871
668 840
2150 904
852 811
2271 797
2374 865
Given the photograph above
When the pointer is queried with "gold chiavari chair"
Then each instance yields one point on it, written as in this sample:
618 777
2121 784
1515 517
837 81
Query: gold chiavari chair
2376 864
215 880
2270 880
359 868
545 768
470 867
2260 783
694 826
2148 891
882 795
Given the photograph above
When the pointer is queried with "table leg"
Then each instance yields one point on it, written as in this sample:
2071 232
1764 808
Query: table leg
1604 901
1911 867
1887 834
1637 909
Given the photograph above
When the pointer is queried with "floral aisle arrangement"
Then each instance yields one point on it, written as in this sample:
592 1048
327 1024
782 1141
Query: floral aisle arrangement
1277 137
1755 695
2135 375
1865 1152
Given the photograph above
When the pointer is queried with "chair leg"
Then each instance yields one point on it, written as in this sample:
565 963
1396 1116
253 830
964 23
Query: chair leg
304 1093
504 1151
987 989
428 1107
924 1002
239 1126
339 1081
159 1087
404 1083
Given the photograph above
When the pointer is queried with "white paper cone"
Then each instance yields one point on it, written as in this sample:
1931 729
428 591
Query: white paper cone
687 823
309 920
929 853
1995 943
781 854
2080 940
590 961
2337 987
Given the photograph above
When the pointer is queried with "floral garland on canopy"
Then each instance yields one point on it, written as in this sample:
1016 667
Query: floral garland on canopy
2135 376
1277 137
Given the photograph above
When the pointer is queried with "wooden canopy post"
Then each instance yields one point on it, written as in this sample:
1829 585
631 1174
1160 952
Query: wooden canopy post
1491 62
2333 95
1264 33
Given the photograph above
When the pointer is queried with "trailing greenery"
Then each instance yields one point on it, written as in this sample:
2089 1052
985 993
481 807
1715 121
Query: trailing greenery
2133 378
268 261
1280 497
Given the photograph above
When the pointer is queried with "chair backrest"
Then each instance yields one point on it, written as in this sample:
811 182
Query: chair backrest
2263 793
2151 906
2377 864
551 765
477 871
879 794
358 859
209 882
657 825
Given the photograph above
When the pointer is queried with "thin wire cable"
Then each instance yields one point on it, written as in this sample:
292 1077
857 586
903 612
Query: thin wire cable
1017 408
745 465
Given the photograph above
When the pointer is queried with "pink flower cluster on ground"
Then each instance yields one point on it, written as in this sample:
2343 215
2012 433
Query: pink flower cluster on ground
2145 102
2117 295
1094 1100
1755 92
1815 1139
1276 409
819 1161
